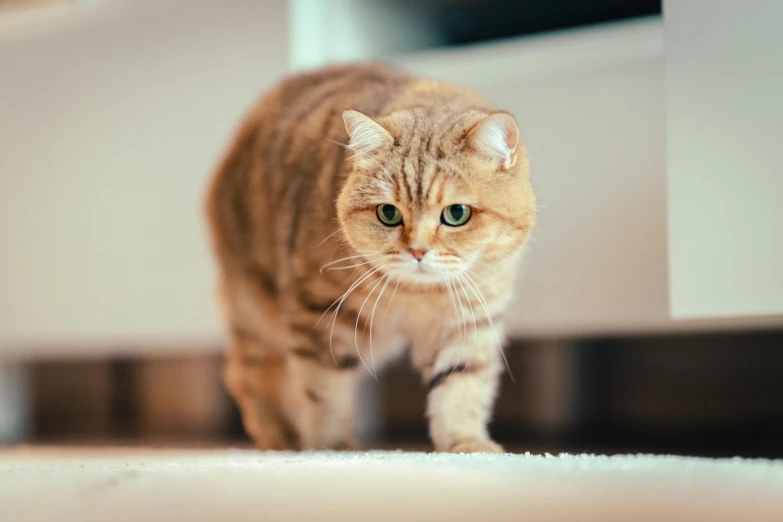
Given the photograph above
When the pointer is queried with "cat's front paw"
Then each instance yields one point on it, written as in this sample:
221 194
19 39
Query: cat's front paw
476 446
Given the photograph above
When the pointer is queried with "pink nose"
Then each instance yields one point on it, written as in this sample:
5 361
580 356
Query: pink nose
417 253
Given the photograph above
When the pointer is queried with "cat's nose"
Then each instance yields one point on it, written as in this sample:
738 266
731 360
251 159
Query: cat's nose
418 253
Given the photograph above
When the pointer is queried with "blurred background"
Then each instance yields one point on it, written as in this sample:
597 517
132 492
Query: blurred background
649 317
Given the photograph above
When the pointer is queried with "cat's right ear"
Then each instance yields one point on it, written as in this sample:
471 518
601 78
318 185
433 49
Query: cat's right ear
496 138
367 136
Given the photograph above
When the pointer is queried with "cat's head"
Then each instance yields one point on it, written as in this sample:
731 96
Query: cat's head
432 195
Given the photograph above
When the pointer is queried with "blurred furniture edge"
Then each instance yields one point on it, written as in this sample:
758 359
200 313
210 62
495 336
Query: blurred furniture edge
111 131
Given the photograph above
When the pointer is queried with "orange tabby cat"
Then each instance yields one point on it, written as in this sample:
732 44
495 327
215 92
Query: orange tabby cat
361 211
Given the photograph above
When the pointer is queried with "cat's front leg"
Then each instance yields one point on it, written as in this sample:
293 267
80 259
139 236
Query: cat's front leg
463 379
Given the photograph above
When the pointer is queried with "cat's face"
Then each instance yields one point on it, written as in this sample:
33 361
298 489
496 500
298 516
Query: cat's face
428 206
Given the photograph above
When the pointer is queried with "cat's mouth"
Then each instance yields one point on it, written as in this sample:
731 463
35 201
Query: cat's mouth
425 273
399 267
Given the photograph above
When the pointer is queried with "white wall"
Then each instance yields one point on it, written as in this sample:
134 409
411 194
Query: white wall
725 129
108 134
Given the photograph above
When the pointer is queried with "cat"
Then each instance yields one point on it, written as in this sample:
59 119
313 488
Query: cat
362 211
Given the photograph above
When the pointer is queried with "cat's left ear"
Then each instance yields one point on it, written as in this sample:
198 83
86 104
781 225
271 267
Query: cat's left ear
367 136
496 137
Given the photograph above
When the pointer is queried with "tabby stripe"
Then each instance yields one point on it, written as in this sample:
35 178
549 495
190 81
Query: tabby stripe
311 304
248 340
504 218
312 395
262 278
427 144
306 161
420 184
307 103
252 359
347 362
241 212
405 177
467 327
345 317
320 352
442 376
304 352
456 122
420 171
397 188
341 362
433 178
359 209
330 159
311 334
292 158
226 203
243 334
352 319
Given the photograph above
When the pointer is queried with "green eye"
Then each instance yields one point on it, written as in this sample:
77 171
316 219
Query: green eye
455 215
389 215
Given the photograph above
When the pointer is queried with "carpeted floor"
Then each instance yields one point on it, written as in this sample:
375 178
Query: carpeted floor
113 484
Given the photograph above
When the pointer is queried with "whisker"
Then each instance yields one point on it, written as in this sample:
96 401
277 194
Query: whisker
477 291
339 302
462 309
505 263
346 259
343 145
515 305
358 317
451 297
397 286
327 237
372 316
346 267
473 313
339 299
337 310
464 325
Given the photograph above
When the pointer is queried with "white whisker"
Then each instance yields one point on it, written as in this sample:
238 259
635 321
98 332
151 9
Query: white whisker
340 299
346 259
515 305
396 287
346 267
464 328
451 298
473 313
327 237
343 145
372 317
356 327
340 302
477 291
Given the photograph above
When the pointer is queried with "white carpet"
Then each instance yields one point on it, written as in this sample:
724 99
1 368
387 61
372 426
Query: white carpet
64 485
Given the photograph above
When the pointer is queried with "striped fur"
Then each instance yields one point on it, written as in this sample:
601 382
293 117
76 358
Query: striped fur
317 292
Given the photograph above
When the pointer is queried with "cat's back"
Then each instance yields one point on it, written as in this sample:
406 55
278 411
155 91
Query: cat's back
333 85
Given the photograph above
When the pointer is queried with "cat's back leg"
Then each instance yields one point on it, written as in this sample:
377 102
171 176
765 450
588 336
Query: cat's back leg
256 371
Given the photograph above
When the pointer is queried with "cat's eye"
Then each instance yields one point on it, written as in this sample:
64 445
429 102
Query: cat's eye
455 215
389 215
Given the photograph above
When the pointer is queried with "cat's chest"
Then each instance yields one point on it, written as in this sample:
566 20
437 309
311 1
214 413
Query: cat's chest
416 315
